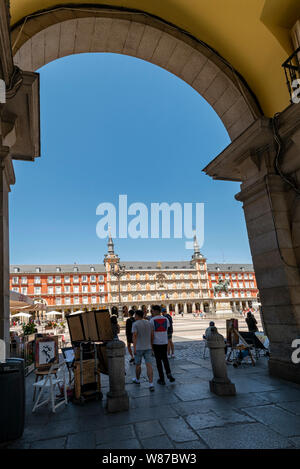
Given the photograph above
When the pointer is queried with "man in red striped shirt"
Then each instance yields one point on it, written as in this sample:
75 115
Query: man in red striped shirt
160 325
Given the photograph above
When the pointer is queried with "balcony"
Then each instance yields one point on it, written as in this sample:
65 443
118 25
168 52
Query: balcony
292 71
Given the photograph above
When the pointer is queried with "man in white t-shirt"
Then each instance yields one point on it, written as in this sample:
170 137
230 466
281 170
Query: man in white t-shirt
160 325
142 341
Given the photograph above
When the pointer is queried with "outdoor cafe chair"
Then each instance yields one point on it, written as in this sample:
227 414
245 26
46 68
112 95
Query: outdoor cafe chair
52 383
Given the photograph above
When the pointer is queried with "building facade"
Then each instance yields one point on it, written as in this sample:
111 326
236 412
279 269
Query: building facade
61 287
186 286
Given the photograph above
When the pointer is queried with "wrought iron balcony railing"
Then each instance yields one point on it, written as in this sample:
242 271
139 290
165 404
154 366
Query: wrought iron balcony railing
292 70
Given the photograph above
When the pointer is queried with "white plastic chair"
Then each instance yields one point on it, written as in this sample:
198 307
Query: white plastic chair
51 383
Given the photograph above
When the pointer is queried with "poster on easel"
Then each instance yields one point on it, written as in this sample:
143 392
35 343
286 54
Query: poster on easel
46 351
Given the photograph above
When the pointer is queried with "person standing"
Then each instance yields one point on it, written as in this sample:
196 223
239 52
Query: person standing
115 326
142 339
160 325
170 348
251 322
129 323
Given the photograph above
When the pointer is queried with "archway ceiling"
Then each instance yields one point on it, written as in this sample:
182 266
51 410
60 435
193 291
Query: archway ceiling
253 35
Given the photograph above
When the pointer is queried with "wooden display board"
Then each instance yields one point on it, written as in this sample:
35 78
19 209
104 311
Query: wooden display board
91 326
102 358
232 327
103 323
91 381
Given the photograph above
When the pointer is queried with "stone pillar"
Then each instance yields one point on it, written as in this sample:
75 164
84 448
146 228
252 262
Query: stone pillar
176 308
220 384
201 306
6 178
185 308
266 159
267 208
117 397
168 308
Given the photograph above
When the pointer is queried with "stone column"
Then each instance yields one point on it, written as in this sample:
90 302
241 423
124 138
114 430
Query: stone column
220 384
6 178
266 159
117 397
176 308
168 308
185 308
267 212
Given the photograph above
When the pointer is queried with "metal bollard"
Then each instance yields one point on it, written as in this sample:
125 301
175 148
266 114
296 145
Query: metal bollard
117 397
220 384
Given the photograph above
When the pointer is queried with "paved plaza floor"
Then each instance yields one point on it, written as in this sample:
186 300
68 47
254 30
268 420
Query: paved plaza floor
265 413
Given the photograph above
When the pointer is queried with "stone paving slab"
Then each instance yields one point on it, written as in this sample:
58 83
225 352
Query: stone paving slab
126 444
295 441
241 436
157 442
184 414
195 444
109 434
83 440
283 395
293 407
55 443
178 429
149 429
192 391
278 419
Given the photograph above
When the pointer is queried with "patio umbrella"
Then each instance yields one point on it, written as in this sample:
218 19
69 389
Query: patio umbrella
21 315
18 301
53 313
76 312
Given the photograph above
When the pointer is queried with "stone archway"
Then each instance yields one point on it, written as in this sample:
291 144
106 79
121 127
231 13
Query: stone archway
70 30
254 157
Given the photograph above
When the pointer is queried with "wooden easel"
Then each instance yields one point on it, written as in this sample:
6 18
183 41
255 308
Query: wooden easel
240 347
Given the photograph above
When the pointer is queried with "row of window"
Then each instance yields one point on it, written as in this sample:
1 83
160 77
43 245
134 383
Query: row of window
153 277
58 279
76 300
158 296
58 269
232 276
238 285
65 289
154 287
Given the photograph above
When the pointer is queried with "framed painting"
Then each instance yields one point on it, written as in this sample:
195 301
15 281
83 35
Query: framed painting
46 350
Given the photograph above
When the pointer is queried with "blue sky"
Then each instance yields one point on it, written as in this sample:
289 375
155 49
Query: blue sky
111 125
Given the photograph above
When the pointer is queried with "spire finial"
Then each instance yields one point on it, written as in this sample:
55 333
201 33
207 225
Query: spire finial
110 243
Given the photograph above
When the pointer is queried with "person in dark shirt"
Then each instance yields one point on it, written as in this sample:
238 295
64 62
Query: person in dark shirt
115 326
251 322
129 337
170 333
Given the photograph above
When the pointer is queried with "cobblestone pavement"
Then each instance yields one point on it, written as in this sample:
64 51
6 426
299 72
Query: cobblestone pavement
265 413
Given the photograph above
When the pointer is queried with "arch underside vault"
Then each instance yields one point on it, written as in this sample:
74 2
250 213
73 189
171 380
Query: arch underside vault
65 31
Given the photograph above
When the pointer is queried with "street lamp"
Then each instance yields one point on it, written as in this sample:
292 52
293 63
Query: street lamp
118 270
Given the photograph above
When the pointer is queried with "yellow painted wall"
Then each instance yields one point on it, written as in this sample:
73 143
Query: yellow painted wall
253 35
